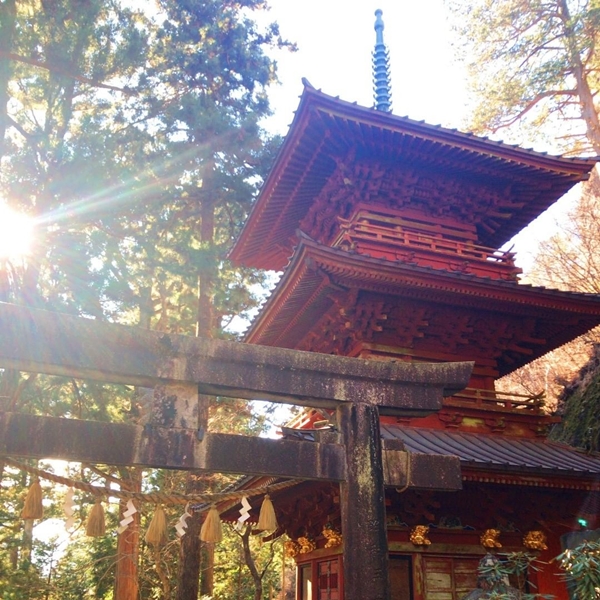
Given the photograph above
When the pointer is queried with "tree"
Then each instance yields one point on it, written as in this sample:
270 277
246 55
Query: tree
246 566
535 65
504 577
211 60
570 259
579 405
134 140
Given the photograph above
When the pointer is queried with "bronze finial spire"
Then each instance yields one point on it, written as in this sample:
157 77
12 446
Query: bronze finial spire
381 68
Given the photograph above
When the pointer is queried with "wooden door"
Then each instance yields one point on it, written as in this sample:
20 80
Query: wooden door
400 578
449 578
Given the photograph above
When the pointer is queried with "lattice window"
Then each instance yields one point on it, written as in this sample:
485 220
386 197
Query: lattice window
328 583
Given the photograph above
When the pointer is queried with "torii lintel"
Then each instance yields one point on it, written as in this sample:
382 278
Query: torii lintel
61 344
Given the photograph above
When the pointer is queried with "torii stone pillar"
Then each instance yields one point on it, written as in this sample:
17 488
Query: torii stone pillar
178 368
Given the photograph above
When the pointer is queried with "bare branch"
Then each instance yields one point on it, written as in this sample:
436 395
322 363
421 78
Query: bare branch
28 136
539 48
532 104
104 475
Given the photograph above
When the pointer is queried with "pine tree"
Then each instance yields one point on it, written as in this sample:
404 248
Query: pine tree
533 69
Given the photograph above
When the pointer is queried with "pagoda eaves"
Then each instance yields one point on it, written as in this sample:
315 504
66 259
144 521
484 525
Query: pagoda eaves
496 187
328 296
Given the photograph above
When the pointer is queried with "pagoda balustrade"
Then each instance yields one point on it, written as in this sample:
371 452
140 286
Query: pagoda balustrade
488 400
440 246
498 401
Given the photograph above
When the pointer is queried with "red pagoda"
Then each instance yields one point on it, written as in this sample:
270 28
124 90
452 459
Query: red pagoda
389 234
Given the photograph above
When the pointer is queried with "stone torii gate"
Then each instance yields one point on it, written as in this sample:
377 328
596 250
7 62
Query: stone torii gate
183 370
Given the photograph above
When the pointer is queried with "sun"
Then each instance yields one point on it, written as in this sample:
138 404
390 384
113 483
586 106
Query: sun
16 234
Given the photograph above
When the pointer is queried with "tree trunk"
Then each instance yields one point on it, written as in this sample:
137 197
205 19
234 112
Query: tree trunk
207 564
586 98
249 560
194 557
128 542
27 542
206 276
188 584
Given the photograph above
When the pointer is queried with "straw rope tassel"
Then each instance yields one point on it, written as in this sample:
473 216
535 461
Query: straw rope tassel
157 534
211 530
267 521
32 508
96 526
154 497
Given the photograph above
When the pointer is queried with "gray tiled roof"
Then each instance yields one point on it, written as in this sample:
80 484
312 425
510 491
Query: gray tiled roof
543 456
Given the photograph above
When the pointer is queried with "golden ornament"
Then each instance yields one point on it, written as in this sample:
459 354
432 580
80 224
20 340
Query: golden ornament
418 535
535 540
291 548
333 537
489 538
306 545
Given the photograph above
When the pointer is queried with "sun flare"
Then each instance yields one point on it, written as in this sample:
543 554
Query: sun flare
16 233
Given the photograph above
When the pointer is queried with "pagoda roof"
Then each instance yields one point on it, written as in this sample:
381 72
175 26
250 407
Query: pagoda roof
316 272
489 451
326 130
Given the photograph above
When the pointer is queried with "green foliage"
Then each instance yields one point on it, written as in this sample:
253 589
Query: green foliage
504 577
32 567
137 188
232 574
27 580
582 570
580 407
86 569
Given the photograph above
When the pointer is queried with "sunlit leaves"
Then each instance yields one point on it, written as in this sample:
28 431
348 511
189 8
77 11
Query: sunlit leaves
582 570
533 68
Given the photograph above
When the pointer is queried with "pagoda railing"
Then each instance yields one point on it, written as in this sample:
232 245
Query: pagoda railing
497 400
438 246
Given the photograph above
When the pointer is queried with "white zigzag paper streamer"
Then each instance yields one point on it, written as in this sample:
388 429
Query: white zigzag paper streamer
128 517
68 507
244 513
181 525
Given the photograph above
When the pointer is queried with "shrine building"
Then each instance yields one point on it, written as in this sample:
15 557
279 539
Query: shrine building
389 233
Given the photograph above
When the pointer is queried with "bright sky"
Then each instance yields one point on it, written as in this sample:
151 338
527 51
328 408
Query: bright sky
335 40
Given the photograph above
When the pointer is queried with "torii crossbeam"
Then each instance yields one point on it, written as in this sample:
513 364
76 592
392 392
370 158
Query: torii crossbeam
179 368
